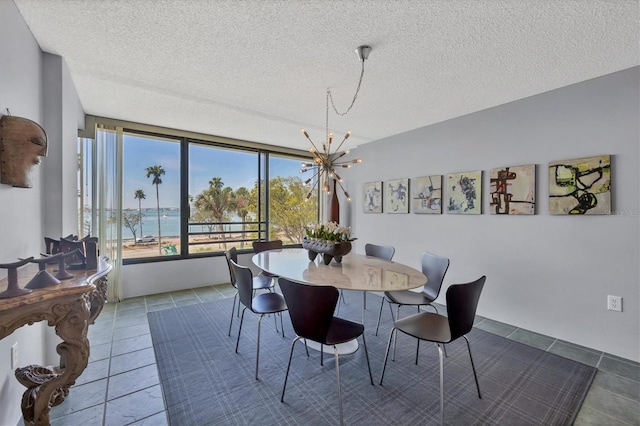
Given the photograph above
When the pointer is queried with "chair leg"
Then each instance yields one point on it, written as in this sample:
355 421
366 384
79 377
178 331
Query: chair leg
258 345
386 354
233 308
240 329
473 367
335 351
364 300
306 348
379 315
417 350
281 325
441 358
366 353
321 354
395 341
286 376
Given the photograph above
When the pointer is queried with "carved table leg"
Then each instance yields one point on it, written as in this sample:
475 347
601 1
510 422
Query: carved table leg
48 387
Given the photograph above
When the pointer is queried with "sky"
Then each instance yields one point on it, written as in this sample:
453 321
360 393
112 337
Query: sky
236 168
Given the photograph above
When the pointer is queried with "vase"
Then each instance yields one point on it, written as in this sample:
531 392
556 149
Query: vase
328 249
335 205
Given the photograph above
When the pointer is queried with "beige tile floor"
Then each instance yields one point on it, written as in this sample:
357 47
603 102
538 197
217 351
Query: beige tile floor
121 385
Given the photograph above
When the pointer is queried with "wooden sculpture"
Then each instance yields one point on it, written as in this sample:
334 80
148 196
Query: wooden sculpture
22 143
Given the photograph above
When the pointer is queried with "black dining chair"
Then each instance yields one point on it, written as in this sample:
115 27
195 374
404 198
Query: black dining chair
260 246
434 268
462 302
260 282
311 310
261 304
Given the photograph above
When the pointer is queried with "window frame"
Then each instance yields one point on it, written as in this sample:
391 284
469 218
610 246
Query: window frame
185 138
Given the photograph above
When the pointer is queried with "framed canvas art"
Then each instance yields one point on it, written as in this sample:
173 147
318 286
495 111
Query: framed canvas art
464 193
372 197
513 190
580 186
396 196
426 195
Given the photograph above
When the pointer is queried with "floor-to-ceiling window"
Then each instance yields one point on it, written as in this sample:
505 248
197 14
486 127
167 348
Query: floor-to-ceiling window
184 197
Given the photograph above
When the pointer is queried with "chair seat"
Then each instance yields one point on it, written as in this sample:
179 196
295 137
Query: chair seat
261 282
406 297
268 303
342 331
426 326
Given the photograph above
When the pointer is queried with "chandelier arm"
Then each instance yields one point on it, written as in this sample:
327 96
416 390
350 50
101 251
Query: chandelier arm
313 188
346 194
316 173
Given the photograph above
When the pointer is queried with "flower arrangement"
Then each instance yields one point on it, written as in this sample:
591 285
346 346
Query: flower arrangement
330 231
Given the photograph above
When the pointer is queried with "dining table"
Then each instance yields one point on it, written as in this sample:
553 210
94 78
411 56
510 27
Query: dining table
353 272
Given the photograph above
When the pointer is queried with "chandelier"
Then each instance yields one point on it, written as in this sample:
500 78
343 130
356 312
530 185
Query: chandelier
326 161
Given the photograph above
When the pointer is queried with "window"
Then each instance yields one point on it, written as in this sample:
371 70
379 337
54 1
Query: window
184 197
223 195
289 210
150 196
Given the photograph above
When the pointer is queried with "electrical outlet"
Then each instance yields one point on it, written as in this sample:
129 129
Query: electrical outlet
14 356
614 303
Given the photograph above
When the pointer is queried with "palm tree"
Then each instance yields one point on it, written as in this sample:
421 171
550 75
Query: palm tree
241 200
157 171
216 202
140 195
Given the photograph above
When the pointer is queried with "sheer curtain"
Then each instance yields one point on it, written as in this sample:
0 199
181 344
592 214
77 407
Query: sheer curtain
107 212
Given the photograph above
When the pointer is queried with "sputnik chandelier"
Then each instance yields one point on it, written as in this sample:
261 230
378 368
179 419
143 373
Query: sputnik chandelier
326 161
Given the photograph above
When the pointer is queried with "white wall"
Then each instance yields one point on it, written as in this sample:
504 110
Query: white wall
25 83
159 277
545 273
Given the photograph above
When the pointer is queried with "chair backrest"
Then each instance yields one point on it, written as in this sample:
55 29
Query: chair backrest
232 256
310 308
244 282
462 302
382 252
434 267
259 246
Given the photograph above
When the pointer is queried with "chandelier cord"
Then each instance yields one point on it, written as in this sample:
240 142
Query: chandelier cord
330 98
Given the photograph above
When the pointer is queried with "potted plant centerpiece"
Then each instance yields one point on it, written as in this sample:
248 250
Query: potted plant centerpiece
331 240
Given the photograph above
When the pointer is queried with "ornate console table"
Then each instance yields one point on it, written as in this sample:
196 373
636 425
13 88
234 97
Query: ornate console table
69 307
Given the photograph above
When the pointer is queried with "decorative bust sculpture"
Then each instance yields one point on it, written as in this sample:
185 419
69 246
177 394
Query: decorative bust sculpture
22 143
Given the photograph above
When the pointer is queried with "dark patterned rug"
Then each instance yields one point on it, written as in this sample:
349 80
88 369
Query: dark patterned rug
206 383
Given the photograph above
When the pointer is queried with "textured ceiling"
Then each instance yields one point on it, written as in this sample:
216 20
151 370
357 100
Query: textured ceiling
259 70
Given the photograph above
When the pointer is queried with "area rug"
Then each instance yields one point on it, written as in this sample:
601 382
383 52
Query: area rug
206 383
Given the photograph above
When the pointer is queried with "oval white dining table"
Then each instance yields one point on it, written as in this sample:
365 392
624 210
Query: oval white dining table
355 272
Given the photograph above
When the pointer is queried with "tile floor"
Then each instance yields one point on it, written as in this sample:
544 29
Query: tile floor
121 385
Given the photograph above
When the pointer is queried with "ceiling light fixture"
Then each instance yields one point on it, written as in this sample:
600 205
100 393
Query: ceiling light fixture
326 161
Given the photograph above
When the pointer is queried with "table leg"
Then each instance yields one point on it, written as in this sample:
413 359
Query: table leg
49 386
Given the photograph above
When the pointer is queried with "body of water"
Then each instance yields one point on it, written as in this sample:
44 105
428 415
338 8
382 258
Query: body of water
169 224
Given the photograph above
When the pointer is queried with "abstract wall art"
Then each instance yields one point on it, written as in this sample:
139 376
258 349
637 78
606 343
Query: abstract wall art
396 196
580 186
426 195
464 193
372 197
513 190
